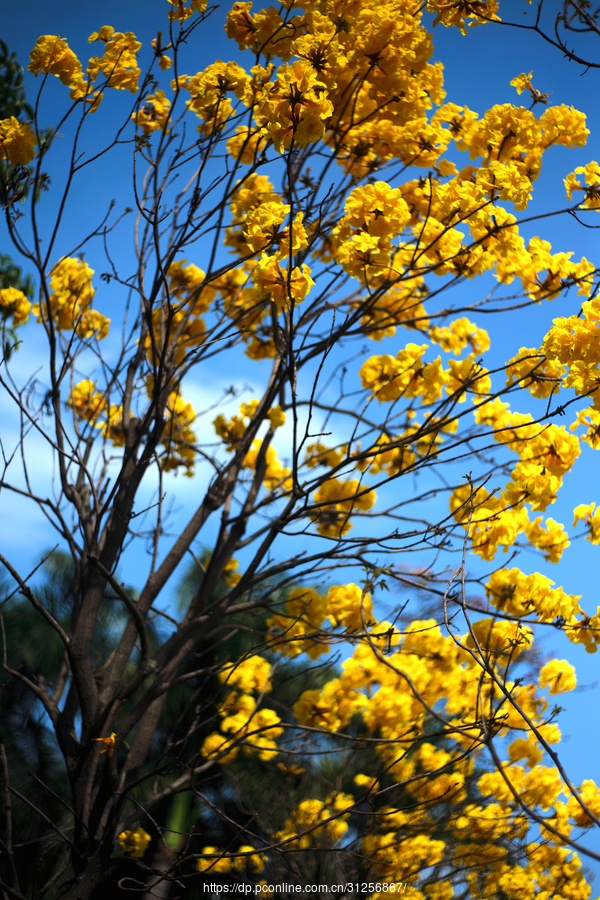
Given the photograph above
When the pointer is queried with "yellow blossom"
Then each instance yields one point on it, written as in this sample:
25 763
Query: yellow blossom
134 842
108 744
17 142
13 302
559 676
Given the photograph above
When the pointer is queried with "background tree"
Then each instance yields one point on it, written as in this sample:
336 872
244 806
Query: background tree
289 722
13 102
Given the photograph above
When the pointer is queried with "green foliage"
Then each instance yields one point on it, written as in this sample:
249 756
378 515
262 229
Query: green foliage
11 275
13 99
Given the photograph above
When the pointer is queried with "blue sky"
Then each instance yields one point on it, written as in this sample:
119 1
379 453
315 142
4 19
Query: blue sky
478 69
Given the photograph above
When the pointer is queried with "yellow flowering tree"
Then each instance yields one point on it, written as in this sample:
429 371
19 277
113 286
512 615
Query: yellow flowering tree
289 722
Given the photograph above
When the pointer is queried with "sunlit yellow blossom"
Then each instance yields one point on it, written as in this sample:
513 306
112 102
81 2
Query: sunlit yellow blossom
559 676
552 539
512 592
521 82
336 501
118 64
346 606
154 114
271 281
17 142
540 376
499 637
13 302
591 419
528 749
276 475
586 512
208 92
180 11
455 12
249 675
71 295
86 401
303 614
460 333
52 55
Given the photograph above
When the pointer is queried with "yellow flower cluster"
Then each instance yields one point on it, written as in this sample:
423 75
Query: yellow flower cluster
220 861
389 307
591 419
70 301
180 11
52 55
208 93
134 842
332 812
375 56
177 323
330 708
154 115
516 594
112 428
250 194
274 282
559 676
573 343
400 858
590 794
303 614
346 605
243 721
587 512
405 375
392 460
305 611
231 573
541 377
118 63
276 475
460 333
591 189
260 225
455 12
375 214
389 378
17 142
423 663
319 454
469 198
13 302
335 501
294 108
251 674
499 637
178 437
547 453
108 744
232 430
86 401
495 523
